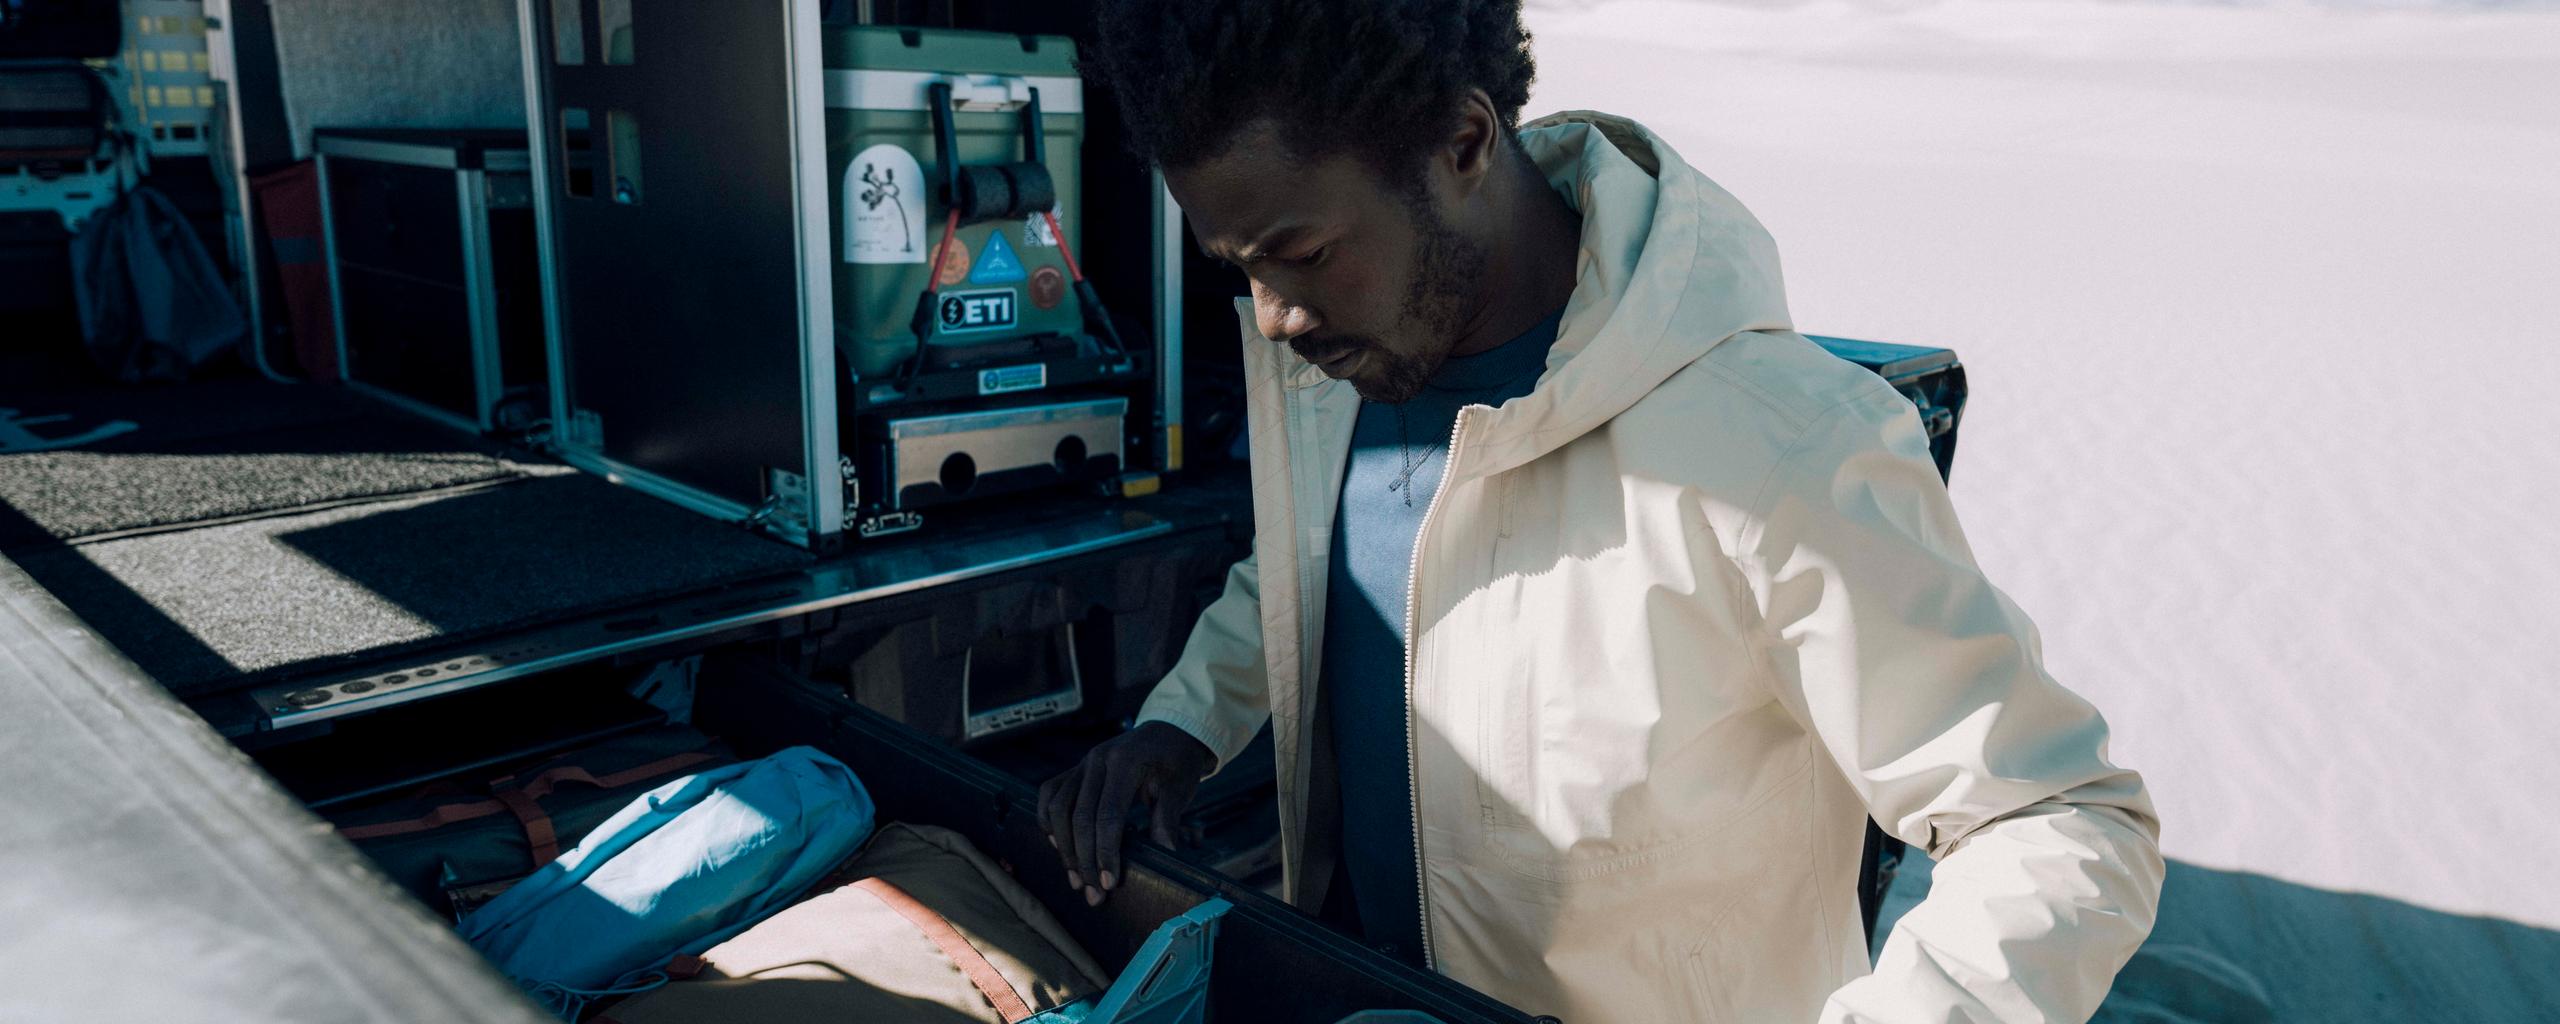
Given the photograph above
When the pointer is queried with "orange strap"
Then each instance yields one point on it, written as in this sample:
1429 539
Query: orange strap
942 250
1063 250
990 982
539 835
540 786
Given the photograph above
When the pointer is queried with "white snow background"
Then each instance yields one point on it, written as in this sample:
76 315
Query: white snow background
2260 304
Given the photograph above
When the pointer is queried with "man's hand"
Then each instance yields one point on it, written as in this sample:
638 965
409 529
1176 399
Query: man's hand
1085 809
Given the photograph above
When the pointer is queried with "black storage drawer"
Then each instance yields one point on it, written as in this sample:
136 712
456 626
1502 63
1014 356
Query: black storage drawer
1272 962
415 337
399 218
516 263
435 272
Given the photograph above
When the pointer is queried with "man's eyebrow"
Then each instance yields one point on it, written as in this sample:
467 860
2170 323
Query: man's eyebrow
1260 248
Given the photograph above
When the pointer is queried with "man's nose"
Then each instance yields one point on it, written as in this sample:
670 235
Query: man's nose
1277 317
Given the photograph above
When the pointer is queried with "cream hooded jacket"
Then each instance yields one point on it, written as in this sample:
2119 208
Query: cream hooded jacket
1679 619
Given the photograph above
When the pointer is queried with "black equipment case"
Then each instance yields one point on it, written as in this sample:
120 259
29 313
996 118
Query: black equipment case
1272 963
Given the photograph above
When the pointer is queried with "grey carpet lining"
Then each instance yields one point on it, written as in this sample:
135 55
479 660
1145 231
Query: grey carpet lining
216 451
72 495
225 531
207 608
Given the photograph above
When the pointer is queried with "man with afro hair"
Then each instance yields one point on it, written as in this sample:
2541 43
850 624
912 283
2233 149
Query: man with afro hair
1593 609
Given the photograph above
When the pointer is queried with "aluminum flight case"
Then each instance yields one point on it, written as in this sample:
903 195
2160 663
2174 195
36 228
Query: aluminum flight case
433 271
714 342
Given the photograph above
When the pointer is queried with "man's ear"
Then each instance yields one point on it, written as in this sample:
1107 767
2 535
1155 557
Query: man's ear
1470 151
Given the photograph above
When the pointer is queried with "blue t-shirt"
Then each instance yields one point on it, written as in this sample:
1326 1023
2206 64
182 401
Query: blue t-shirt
1397 452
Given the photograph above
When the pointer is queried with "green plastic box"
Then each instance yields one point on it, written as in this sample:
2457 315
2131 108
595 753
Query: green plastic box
885 175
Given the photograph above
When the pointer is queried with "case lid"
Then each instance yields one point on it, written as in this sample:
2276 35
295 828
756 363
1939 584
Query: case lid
1897 363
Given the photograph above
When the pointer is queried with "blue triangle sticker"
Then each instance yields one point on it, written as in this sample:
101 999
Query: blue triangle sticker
997 264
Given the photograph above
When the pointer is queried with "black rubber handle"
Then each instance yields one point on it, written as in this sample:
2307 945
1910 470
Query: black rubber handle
989 191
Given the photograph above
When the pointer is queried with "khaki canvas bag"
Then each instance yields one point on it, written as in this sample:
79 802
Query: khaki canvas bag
927 929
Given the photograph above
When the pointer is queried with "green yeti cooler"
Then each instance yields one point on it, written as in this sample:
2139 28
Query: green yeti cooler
1003 279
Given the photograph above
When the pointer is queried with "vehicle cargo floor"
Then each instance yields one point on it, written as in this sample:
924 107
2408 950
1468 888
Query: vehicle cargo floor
101 461
243 530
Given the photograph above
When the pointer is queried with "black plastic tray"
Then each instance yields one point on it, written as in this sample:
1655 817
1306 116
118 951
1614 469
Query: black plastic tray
1272 964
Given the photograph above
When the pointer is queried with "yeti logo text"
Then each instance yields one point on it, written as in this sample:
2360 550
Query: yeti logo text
977 311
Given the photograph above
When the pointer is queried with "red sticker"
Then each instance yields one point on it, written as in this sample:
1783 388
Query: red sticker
1048 287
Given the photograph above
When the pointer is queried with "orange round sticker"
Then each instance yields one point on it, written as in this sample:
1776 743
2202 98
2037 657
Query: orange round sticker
955 266
1048 287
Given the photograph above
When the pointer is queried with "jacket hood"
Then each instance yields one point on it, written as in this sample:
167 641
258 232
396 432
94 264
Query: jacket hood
1671 265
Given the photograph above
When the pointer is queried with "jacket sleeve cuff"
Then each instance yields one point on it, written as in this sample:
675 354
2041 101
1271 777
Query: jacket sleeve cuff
1224 742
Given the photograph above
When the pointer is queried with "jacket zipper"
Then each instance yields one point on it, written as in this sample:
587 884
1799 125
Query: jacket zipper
1412 767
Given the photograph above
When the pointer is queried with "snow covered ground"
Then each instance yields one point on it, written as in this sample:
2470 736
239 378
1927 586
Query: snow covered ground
2261 306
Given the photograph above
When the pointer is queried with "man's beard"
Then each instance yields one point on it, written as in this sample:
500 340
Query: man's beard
1445 268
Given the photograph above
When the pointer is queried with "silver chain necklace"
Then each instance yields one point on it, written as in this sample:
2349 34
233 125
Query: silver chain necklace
1412 462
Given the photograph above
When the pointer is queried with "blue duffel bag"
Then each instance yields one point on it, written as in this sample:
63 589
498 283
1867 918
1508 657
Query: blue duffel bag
679 870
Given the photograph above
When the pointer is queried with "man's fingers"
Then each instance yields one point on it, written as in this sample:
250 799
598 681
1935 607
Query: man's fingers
1163 818
1088 811
1056 807
1112 821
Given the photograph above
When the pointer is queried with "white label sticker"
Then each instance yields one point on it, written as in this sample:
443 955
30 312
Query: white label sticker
884 193
1036 233
1013 378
